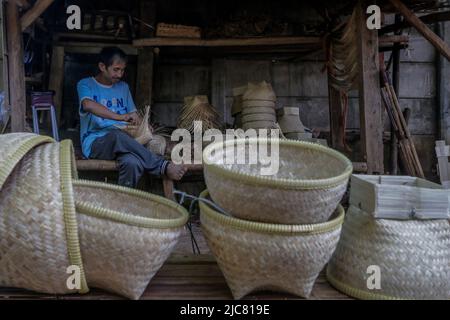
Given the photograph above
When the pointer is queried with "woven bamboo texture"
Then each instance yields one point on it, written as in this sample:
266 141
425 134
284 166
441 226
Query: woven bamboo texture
413 257
14 146
37 221
257 256
126 235
399 197
142 132
258 106
307 188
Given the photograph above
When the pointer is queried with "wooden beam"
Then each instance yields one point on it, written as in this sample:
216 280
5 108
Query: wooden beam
422 28
16 68
92 47
427 19
266 41
337 132
369 94
24 4
56 81
97 165
31 15
395 39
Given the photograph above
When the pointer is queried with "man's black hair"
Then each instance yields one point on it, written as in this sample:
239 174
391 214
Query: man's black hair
109 54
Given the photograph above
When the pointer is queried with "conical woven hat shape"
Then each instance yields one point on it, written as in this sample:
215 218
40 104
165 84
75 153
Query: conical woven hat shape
259 91
193 101
39 239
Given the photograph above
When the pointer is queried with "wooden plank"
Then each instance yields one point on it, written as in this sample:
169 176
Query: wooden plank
31 15
427 19
437 42
168 188
56 81
369 94
266 41
144 83
337 130
239 42
16 68
97 165
145 63
92 47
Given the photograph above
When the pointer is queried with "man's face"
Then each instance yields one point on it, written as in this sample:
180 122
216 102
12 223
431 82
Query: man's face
114 72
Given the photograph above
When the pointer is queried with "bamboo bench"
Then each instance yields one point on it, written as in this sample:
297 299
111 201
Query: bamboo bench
109 165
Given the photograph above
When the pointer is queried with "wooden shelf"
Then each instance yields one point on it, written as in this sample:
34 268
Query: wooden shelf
238 42
247 42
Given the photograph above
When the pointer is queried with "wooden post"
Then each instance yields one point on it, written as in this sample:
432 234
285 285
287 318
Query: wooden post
56 81
396 84
16 68
437 42
144 83
337 133
369 94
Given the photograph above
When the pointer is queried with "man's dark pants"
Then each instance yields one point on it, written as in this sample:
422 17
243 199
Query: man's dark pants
133 158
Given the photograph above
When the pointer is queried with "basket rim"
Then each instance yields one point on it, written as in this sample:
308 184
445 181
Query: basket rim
280 182
355 292
67 171
272 228
12 160
88 209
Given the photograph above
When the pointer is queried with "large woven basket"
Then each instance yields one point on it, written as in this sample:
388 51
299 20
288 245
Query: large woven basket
413 257
259 256
307 188
126 235
119 237
39 236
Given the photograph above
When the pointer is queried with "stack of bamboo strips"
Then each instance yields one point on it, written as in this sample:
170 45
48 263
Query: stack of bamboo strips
408 153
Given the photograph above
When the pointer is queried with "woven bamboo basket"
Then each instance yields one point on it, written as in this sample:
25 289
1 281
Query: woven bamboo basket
310 182
119 237
126 235
257 256
413 257
39 236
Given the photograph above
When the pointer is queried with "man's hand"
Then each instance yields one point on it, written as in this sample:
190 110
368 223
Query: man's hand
132 117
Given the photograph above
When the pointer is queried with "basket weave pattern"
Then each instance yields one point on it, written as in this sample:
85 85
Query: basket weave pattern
252 257
413 256
32 225
307 189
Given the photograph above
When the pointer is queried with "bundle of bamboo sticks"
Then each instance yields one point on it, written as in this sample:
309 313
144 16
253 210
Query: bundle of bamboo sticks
408 153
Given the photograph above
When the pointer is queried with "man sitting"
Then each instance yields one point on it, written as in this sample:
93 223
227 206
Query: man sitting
105 102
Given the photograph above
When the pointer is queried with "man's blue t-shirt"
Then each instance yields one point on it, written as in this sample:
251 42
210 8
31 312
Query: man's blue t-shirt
116 97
